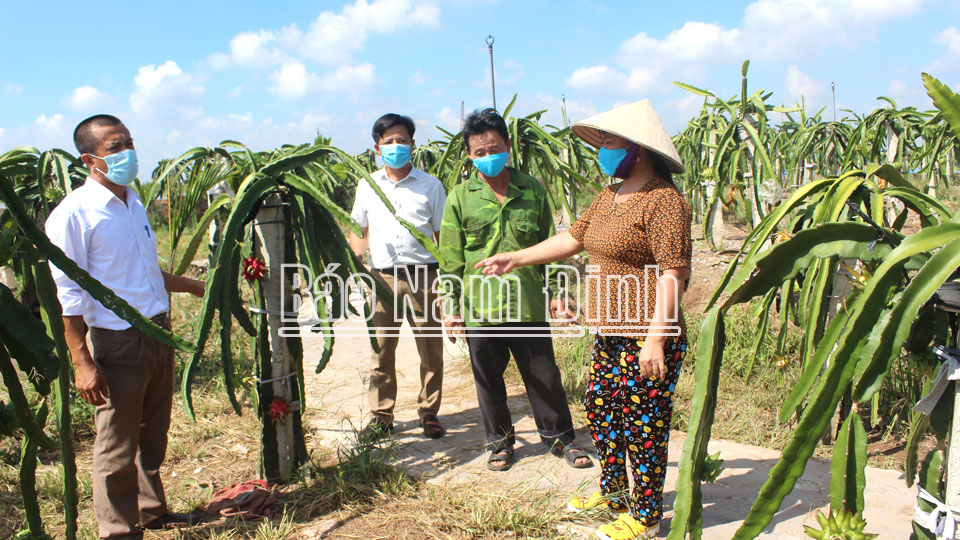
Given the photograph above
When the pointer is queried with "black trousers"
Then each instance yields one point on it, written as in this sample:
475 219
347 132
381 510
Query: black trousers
489 355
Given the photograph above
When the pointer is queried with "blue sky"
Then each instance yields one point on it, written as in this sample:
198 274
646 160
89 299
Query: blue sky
182 74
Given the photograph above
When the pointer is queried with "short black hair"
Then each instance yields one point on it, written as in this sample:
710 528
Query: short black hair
389 120
482 121
82 136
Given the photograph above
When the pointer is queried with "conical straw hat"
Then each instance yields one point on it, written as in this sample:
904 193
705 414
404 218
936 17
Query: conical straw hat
637 122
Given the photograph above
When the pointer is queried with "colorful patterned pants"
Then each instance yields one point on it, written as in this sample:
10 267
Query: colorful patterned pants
629 417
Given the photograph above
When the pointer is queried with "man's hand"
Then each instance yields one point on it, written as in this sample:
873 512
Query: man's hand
90 382
561 311
498 264
454 327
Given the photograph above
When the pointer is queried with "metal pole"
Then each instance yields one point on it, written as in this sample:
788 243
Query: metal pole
563 99
833 94
493 87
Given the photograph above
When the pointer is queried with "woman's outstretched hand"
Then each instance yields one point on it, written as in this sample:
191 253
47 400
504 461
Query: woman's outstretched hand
498 264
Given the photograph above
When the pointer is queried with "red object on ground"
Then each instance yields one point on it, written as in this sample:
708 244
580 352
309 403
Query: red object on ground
251 500
253 269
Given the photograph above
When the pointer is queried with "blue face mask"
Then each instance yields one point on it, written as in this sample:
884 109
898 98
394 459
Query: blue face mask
121 167
610 159
491 165
395 156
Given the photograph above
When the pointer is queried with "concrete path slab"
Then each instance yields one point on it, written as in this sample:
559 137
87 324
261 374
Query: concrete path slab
337 406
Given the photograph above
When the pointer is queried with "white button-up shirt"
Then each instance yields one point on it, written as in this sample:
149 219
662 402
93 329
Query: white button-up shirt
114 243
419 198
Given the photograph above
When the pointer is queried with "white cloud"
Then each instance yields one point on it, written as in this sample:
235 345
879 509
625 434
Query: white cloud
449 119
331 39
950 39
313 121
242 118
792 28
781 30
53 125
85 98
252 49
174 136
358 78
418 77
693 42
334 37
13 88
292 81
596 77
799 84
898 87
683 108
158 87
639 79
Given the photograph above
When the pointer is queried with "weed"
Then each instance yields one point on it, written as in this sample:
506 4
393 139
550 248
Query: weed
279 529
573 355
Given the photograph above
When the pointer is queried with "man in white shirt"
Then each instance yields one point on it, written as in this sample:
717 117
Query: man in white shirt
103 227
405 268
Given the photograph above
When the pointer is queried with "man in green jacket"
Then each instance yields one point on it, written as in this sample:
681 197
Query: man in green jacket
501 209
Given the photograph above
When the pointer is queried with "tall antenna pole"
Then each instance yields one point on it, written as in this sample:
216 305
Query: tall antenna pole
563 99
833 94
493 87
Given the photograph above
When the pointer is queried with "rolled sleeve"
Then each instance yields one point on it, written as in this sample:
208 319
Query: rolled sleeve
66 232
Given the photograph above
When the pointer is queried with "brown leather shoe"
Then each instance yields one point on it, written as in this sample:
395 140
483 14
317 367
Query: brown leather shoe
431 427
171 520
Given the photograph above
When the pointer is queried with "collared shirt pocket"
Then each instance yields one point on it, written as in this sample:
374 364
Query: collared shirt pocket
476 233
525 231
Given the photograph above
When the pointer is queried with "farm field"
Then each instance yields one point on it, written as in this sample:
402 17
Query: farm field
420 489
824 257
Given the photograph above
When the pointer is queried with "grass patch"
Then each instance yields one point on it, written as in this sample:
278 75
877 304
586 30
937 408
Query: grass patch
747 409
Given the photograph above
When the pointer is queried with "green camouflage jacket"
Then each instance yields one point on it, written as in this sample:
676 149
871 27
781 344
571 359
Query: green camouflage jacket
475 226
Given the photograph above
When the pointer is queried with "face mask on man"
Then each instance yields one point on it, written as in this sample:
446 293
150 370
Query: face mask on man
491 165
395 156
122 167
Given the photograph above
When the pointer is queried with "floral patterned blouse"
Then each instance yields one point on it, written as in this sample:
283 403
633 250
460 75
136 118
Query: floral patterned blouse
630 243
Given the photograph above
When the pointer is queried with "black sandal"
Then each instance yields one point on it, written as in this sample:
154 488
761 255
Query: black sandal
504 455
571 454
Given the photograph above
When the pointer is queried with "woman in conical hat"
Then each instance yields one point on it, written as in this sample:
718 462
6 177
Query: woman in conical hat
638 222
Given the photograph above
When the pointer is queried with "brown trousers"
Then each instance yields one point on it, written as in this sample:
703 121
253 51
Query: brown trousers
383 377
131 429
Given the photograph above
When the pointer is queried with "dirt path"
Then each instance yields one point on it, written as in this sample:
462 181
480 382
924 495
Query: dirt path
337 405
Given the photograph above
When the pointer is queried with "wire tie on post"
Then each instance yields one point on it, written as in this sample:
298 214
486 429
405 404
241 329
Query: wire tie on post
259 311
280 378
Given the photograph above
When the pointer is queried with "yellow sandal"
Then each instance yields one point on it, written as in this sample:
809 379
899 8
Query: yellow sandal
582 503
626 527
